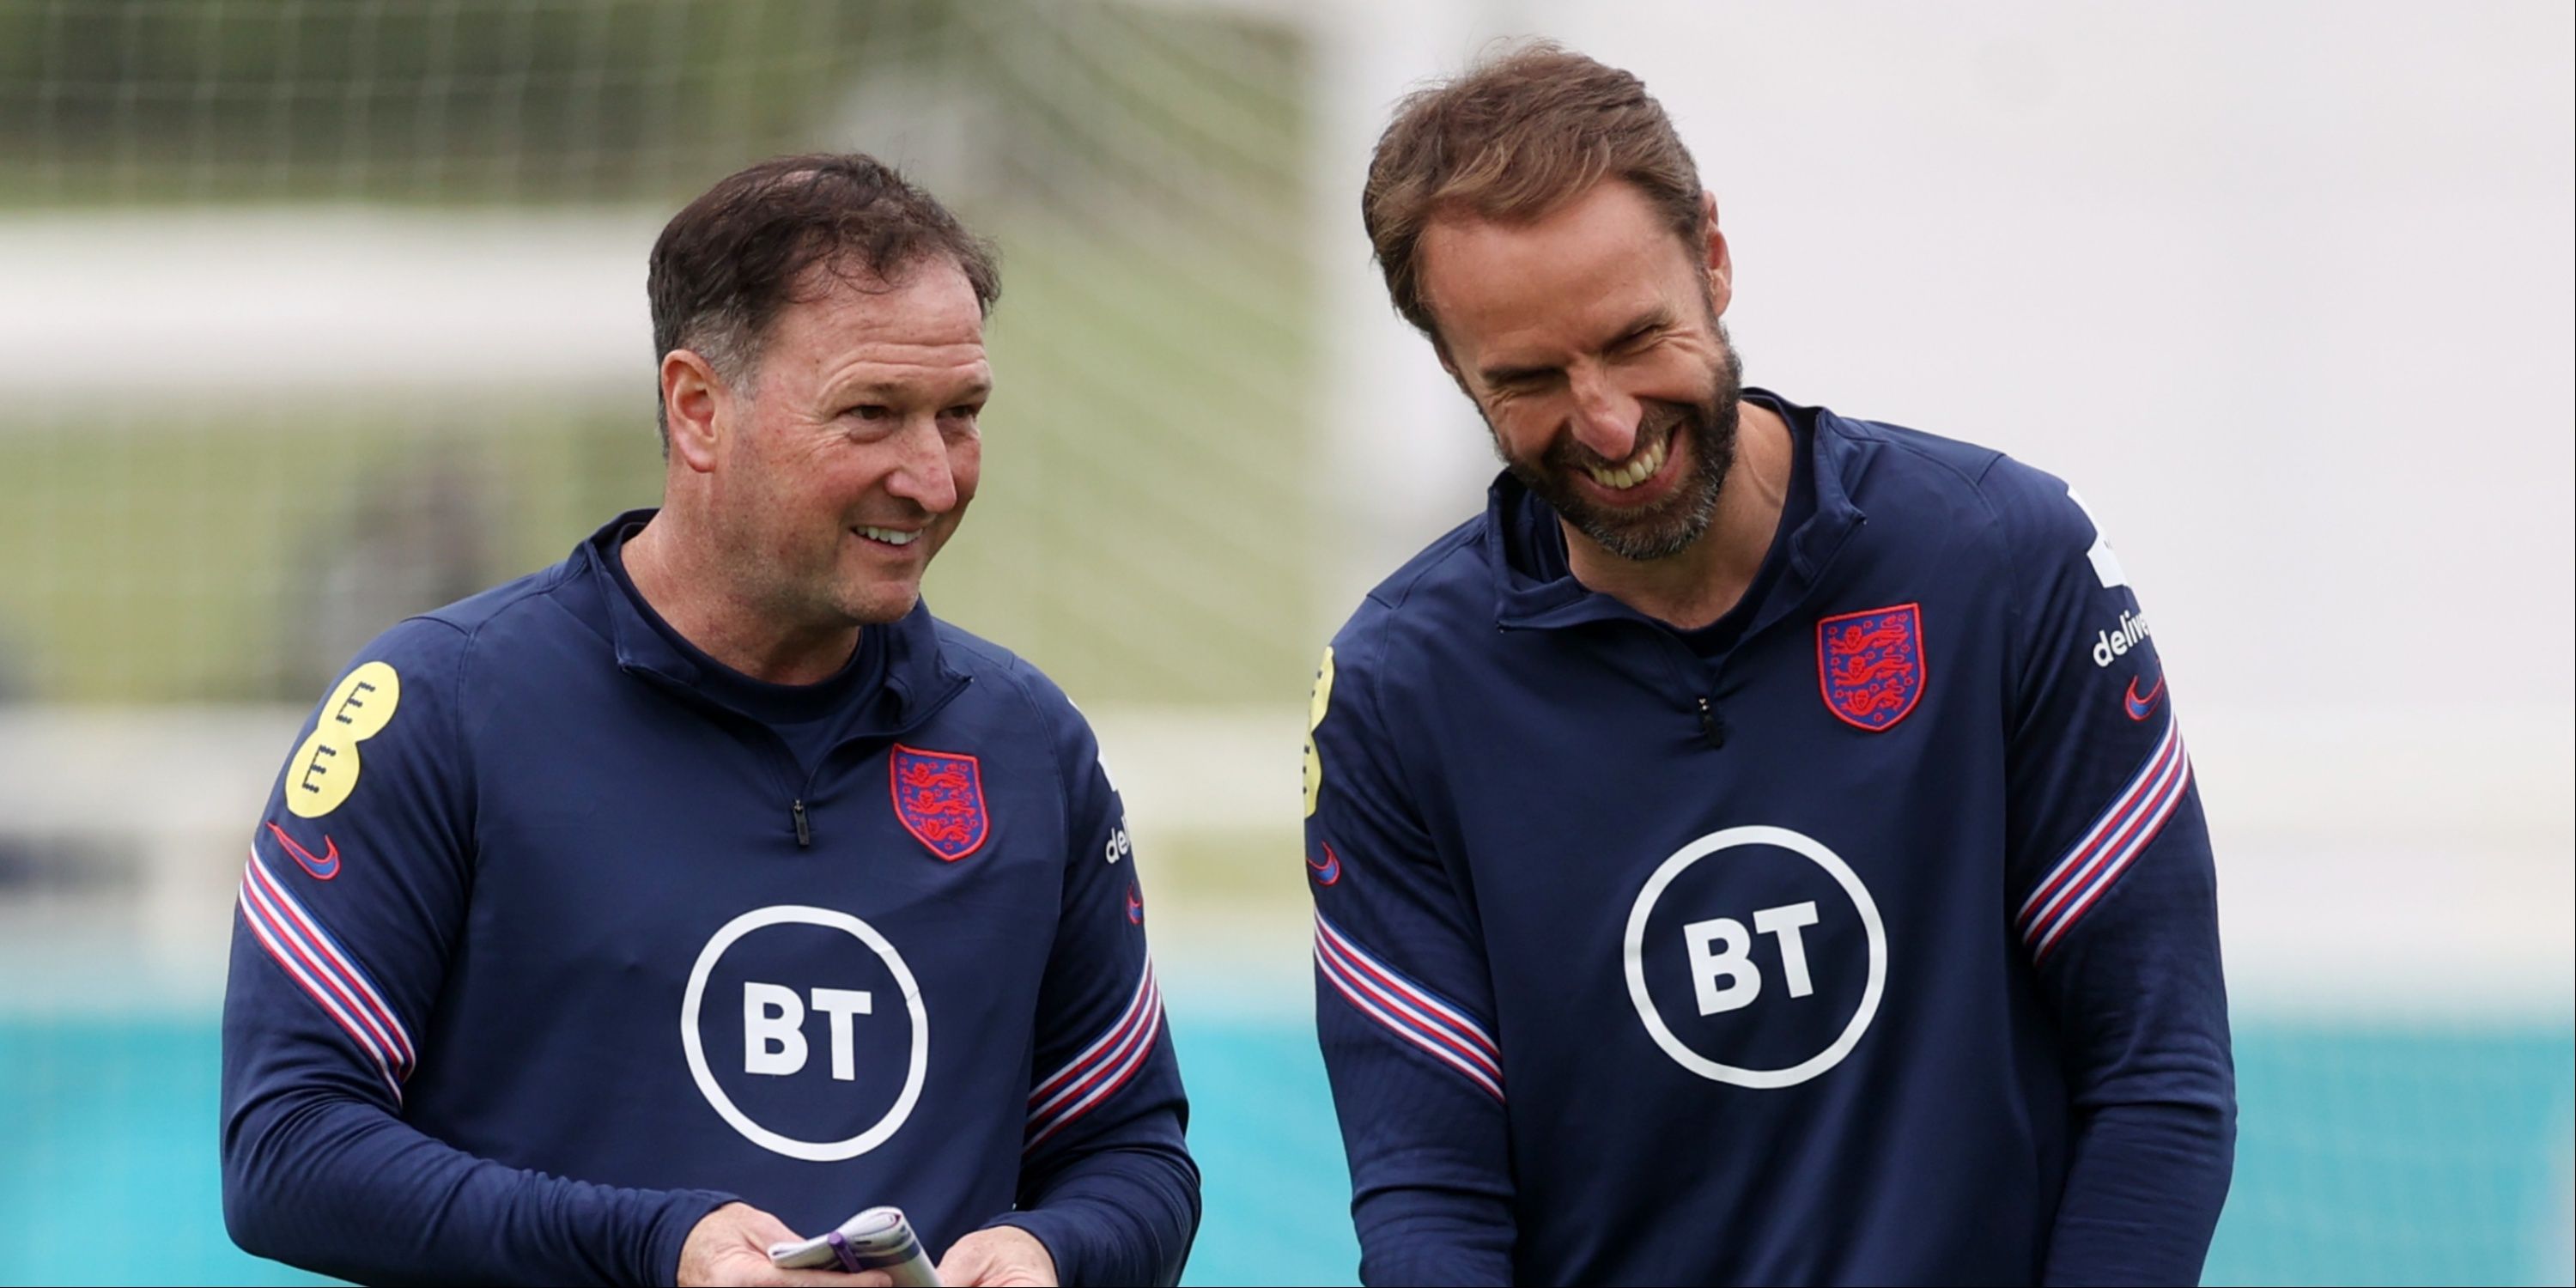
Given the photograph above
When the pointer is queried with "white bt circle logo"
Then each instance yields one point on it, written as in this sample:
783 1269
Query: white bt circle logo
775 1031
1733 964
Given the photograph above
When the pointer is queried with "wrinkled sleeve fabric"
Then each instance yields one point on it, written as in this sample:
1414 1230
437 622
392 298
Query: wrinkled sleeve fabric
352 898
2114 898
1403 1000
1106 1179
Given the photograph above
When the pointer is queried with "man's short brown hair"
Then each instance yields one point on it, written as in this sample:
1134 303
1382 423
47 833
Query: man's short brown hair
726 265
1519 135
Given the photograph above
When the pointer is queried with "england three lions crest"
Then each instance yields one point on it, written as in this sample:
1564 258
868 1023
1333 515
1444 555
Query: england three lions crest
939 798
1870 665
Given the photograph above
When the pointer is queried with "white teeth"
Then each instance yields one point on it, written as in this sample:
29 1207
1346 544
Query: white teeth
890 536
1623 477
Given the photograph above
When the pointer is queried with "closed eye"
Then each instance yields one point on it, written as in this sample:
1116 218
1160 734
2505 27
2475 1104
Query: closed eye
1637 338
1518 380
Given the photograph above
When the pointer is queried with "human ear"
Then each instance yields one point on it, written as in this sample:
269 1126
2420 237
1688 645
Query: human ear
1714 260
694 406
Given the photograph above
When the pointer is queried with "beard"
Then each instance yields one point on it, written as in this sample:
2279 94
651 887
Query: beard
1671 525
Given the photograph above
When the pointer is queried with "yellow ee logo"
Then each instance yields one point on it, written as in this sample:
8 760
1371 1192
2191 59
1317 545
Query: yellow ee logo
1323 698
324 769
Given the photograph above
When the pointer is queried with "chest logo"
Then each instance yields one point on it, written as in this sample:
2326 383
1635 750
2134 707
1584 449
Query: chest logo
939 798
779 1036
1701 962
1870 665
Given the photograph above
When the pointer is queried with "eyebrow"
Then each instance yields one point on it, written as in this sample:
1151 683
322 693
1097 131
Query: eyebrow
891 391
1652 320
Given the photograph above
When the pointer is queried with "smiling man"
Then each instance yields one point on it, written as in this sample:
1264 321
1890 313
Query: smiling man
702 890
1759 849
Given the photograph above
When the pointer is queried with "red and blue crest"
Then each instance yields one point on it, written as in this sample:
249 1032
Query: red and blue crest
1870 665
939 797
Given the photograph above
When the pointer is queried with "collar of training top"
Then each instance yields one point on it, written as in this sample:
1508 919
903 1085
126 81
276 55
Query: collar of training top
917 677
1538 593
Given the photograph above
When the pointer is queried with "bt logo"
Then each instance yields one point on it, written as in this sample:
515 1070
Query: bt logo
1731 965
773 1028
776 1043
1720 949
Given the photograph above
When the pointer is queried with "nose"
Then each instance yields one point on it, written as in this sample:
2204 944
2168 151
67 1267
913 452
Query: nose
1606 416
922 474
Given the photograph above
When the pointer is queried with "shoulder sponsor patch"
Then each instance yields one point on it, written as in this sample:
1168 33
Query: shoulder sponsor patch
939 798
2116 642
324 769
2106 563
1871 666
1316 704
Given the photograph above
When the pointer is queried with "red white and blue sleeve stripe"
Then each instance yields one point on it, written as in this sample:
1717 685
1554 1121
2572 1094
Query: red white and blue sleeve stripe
1107 1064
2114 841
327 972
1413 1013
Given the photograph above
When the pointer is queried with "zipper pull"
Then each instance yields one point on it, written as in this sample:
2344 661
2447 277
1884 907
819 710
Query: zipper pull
1710 727
804 832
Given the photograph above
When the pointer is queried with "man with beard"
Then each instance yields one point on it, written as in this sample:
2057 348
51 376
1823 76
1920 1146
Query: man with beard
1759 848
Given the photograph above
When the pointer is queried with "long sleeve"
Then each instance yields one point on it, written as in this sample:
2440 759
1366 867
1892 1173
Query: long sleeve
352 900
1402 1005
1106 1180
2115 900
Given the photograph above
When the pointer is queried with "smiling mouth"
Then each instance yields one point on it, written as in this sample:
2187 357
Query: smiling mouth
890 536
1641 467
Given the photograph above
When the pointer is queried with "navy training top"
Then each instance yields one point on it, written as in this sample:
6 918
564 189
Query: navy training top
544 951
1876 946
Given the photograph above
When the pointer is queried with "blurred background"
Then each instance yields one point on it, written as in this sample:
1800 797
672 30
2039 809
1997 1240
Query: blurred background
316 314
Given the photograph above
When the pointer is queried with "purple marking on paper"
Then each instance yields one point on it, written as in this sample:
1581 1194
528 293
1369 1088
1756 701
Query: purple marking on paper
841 1249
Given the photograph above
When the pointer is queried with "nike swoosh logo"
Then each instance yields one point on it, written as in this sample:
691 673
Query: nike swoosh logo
2139 707
324 867
1328 871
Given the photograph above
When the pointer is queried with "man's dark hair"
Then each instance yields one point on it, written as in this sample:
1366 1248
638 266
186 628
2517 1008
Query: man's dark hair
1514 139
724 267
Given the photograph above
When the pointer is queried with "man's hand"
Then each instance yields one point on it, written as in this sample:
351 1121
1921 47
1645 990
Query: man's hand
731 1246
1004 1256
